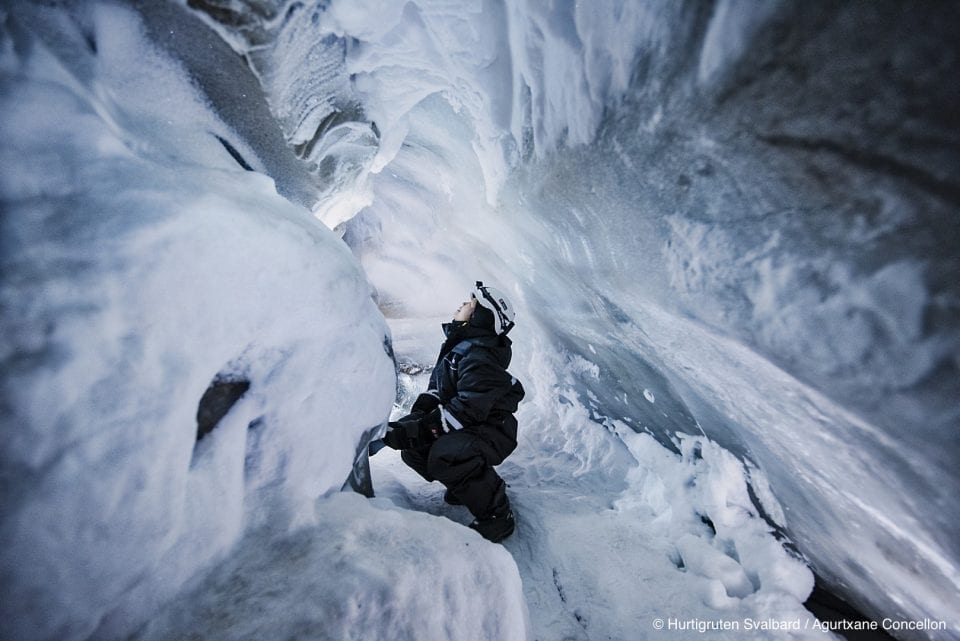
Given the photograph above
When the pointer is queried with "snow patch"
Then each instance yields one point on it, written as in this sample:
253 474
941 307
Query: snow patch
709 500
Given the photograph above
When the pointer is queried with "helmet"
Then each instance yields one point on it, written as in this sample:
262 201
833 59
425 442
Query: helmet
497 302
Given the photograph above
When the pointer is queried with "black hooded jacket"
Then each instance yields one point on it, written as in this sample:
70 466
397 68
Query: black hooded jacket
470 381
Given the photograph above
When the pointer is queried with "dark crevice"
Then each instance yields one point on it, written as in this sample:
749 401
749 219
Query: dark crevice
353 113
831 609
249 14
709 523
677 559
253 457
559 586
221 395
776 529
388 349
234 153
871 161
582 620
292 11
359 480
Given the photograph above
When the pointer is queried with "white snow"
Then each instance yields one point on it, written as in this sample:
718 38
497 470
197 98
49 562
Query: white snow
368 570
798 428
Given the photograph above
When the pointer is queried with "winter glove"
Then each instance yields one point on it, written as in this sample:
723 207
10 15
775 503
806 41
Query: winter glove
415 430
431 426
425 403
402 434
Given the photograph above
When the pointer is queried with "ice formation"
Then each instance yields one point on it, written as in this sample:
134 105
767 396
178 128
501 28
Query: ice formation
730 231
139 263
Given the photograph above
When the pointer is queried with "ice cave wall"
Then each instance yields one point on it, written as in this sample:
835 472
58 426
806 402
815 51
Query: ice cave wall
800 199
779 181
140 263
748 212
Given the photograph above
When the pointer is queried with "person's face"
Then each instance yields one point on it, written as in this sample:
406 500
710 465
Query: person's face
466 310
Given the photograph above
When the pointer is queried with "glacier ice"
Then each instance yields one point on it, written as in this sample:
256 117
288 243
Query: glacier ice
764 245
139 261
745 213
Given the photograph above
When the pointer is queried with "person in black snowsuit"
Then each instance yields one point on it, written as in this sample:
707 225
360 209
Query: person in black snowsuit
463 425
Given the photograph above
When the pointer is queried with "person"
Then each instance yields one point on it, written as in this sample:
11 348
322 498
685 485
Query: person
464 424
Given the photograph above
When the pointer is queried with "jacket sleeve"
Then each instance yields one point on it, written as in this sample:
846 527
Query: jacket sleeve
481 381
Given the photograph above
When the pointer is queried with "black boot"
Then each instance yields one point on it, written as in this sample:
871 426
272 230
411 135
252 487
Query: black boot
496 527
497 523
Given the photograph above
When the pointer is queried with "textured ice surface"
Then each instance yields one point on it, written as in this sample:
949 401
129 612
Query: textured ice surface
748 214
139 261
765 246
367 571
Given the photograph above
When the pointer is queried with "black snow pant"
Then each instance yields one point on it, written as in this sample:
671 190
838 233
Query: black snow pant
463 461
